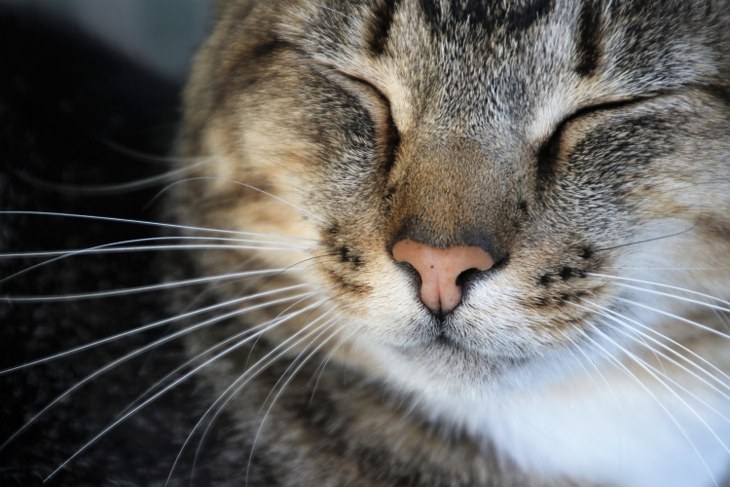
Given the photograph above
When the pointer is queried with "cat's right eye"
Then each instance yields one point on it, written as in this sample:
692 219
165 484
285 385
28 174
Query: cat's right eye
379 106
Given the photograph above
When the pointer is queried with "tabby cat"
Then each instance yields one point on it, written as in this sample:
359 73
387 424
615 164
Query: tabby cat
469 242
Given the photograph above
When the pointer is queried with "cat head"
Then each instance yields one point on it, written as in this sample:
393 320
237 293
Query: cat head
538 154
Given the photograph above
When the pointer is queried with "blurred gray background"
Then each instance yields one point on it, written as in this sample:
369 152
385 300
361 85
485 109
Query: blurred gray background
160 34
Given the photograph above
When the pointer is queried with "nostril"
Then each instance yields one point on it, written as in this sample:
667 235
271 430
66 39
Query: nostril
463 279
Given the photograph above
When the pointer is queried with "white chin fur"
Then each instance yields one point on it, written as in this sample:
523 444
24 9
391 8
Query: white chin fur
601 428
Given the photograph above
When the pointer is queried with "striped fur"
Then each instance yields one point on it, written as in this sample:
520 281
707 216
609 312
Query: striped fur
572 139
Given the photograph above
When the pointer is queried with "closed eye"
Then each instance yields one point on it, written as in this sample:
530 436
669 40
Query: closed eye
548 152
379 107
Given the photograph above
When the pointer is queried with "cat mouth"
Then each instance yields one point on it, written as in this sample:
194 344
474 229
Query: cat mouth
443 340
450 337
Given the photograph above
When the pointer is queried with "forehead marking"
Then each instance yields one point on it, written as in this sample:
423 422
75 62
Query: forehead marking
588 38
380 30
480 13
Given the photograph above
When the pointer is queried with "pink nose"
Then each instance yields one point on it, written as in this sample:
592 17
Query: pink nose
439 270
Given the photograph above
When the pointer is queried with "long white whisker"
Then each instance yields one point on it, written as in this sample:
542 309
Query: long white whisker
239 383
606 383
93 249
626 330
629 320
286 382
661 405
118 246
155 248
208 351
668 378
653 268
118 187
667 286
326 360
88 250
672 315
144 222
279 199
612 390
178 381
144 157
674 296
143 289
661 381
147 327
137 352
641 363
331 323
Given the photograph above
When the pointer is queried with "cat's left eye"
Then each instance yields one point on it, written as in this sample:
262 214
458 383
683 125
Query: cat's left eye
550 148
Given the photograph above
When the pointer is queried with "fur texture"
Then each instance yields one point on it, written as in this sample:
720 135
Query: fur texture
583 144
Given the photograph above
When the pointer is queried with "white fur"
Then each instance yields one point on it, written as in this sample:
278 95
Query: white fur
616 433
602 428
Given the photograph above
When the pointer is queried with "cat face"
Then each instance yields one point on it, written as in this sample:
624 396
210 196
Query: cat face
579 146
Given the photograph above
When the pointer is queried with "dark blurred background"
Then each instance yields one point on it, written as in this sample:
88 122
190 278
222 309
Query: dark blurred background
159 34
89 96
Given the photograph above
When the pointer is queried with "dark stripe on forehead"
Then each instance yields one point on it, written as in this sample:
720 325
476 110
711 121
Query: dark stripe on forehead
488 15
588 37
432 11
523 18
382 19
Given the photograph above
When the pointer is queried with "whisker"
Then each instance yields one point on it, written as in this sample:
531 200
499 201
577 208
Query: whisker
653 268
111 246
674 296
137 352
144 328
623 330
146 157
575 345
174 384
143 289
142 183
150 248
672 315
647 240
302 262
668 286
286 382
612 390
643 365
281 200
667 376
325 361
219 345
144 223
653 396
90 250
239 383
672 341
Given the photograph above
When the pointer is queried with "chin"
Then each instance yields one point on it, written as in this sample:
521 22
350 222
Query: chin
448 367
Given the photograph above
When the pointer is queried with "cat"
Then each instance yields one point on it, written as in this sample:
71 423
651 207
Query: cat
458 243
